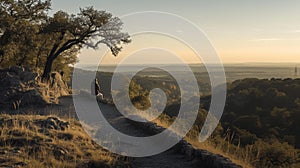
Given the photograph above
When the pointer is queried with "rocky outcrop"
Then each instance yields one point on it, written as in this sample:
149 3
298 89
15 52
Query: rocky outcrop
53 123
19 87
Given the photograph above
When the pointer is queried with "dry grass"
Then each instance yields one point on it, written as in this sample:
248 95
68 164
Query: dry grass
224 147
25 142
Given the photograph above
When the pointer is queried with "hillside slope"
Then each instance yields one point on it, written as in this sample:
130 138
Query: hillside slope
41 141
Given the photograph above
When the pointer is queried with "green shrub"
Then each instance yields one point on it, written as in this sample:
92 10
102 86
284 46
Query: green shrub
273 153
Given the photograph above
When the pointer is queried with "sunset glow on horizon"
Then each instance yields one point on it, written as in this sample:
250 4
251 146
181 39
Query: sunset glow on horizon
240 31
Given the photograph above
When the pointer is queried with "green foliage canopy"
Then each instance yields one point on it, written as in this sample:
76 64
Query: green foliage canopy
29 37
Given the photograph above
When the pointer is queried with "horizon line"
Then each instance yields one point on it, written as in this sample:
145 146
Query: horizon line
226 63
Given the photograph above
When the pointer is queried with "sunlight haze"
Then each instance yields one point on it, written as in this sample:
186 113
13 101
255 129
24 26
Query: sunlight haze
241 31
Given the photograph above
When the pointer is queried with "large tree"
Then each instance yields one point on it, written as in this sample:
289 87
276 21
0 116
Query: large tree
29 37
88 28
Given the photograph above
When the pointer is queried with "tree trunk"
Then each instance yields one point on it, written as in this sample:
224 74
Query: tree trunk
47 69
54 53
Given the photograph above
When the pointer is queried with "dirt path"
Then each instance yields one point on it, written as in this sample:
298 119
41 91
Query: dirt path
168 159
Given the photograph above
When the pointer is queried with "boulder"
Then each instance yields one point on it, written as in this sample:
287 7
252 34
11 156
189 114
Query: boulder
33 96
19 87
58 84
28 77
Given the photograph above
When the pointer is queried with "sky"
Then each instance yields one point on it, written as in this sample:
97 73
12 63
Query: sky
241 31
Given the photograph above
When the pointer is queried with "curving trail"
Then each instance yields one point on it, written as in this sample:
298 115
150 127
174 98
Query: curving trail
168 159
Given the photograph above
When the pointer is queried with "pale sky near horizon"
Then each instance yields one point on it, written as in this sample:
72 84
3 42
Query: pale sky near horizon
240 30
